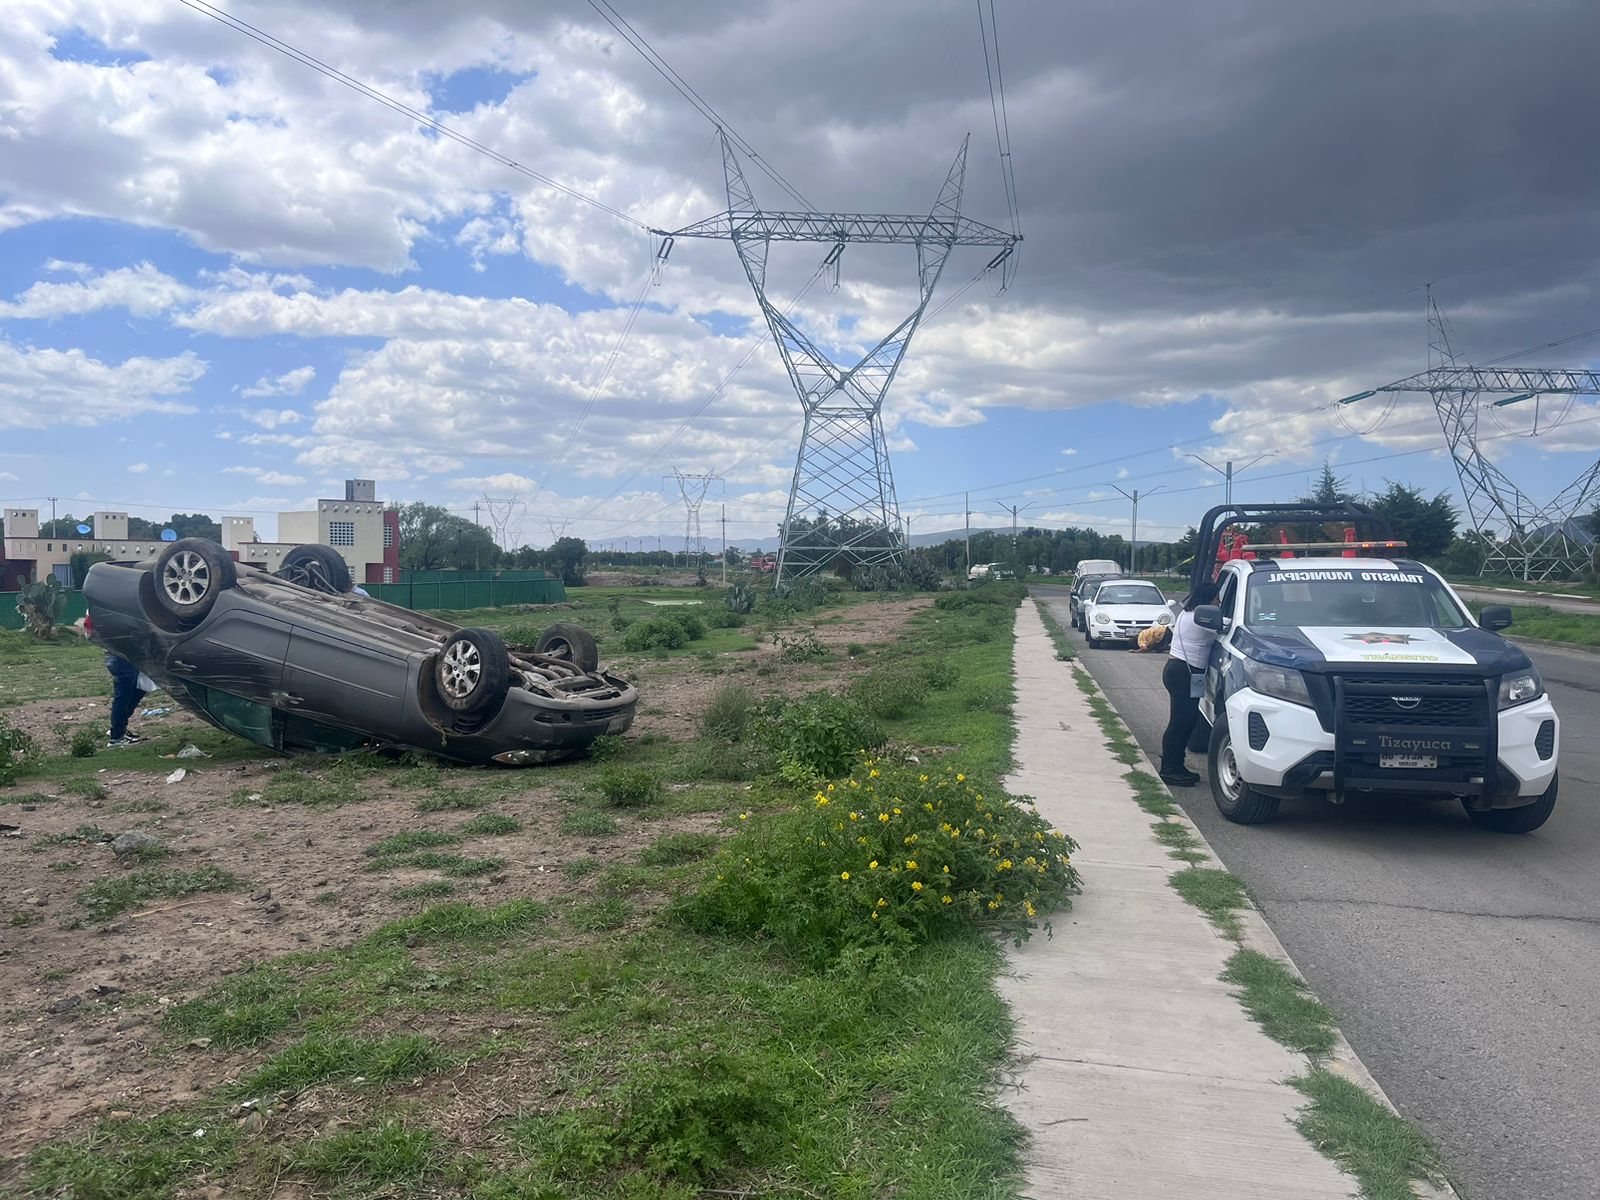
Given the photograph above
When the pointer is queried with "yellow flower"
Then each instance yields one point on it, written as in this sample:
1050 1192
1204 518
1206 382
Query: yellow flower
719 875
922 779
861 841
1005 865
916 885
744 816
844 875
911 864
830 787
993 905
946 900
1028 904
955 833
897 812
882 903
883 816
961 778
872 774
855 816
928 804
947 870
874 916
873 865
912 840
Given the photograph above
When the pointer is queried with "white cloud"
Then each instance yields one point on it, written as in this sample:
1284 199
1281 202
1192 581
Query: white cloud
44 388
271 418
142 290
266 477
1070 451
7 477
290 383
138 468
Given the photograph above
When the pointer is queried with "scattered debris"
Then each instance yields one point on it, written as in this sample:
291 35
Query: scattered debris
64 1005
192 751
165 711
177 776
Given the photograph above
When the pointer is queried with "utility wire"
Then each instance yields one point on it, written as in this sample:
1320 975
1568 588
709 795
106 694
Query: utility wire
652 56
1002 128
388 101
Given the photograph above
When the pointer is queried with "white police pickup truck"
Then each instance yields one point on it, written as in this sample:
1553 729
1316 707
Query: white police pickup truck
1334 675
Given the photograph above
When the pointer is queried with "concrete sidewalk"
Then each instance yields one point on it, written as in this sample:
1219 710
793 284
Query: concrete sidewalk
1143 1079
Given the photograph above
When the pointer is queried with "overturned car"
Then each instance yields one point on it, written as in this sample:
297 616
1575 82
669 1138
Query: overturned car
298 662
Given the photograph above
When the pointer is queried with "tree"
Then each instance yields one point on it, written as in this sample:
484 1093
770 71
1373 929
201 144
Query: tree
566 558
187 525
1330 488
434 539
1426 526
62 527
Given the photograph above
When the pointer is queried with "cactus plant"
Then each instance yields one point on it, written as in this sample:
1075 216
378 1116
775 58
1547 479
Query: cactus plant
41 604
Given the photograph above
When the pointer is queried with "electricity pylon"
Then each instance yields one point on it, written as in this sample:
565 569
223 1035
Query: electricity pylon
1524 538
841 500
501 510
693 489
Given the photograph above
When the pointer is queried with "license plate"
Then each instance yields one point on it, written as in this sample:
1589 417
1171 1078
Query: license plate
1408 762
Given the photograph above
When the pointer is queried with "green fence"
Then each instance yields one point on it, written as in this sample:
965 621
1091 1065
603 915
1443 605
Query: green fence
417 589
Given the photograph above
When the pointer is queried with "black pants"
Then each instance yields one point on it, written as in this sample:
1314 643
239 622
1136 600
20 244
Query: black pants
125 693
1184 714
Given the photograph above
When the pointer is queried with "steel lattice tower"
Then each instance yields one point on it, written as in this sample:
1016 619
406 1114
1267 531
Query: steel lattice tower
1524 538
693 489
841 501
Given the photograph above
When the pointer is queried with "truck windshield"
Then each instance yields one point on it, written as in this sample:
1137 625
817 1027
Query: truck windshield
1129 593
1374 598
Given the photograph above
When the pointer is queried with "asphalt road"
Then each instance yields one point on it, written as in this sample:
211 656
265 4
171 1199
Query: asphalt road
1572 604
1464 966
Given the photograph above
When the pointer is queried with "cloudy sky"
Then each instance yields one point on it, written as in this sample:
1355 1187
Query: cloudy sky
227 282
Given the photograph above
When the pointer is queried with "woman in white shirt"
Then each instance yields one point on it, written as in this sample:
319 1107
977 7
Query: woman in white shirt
1186 664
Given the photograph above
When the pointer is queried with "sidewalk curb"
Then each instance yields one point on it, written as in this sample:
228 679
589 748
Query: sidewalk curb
1257 935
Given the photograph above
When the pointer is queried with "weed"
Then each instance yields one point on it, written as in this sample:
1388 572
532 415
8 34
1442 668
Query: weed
85 744
891 856
489 825
588 823
1279 1001
107 898
451 800
607 747
855 649
655 633
992 699
387 1157
889 694
818 737
456 922
432 890
134 1160
628 881
693 626
715 760
674 849
15 748
802 647
149 805
1058 636
1384 1152
66 865
579 867
319 1058
1219 894
29 798
325 898
939 674
629 787
1150 794
411 839
598 916
23 918
727 717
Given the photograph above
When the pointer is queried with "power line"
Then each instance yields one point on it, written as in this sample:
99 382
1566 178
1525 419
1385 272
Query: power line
274 43
1002 126
652 56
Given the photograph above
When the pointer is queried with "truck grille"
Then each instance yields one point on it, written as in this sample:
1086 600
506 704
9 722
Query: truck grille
1427 712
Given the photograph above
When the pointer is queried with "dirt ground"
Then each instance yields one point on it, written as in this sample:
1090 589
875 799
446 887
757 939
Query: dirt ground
81 1004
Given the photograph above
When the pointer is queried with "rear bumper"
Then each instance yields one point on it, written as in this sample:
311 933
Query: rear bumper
1298 754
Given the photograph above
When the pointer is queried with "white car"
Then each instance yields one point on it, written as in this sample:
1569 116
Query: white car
1122 609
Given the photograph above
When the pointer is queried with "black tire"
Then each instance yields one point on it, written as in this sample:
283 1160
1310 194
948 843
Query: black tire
1524 819
1234 798
189 575
320 568
473 672
570 643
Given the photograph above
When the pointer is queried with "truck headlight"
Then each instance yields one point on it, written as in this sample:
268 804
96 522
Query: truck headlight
1520 688
1280 683
1164 619
1101 619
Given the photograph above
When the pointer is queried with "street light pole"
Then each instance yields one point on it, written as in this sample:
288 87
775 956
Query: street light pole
1133 555
1227 471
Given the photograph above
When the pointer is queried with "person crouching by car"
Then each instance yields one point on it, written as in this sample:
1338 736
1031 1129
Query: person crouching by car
1184 671
127 690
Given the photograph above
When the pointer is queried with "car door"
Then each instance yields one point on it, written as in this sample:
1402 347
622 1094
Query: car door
1217 663
239 649
334 675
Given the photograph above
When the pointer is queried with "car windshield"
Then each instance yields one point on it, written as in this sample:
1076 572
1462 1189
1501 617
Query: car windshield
1376 598
1129 593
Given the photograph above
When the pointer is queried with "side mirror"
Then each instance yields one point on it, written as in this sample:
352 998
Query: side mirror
1495 618
1208 616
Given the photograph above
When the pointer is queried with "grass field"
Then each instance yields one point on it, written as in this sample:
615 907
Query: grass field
1546 624
551 989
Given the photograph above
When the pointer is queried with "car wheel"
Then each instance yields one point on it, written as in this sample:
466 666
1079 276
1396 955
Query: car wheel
1235 799
320 568
189 575
473 672
1523 819
570 643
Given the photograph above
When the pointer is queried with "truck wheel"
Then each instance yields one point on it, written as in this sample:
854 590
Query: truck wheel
320 568
570 643
1523 819
189 575
1235 798
473 672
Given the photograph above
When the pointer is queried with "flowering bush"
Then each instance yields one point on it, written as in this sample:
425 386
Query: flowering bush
890 855
815 737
